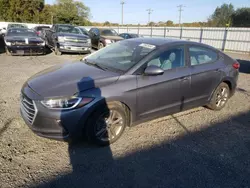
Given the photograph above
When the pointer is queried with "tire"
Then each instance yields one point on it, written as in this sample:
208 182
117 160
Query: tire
57 52
219 97
100 45
97 129
7 51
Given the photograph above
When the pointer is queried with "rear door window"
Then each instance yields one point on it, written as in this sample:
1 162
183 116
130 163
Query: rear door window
200 55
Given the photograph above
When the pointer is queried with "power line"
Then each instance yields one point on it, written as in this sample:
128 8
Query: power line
180 10
149 12
122 3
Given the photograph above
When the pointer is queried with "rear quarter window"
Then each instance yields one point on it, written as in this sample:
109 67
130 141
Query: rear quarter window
200 55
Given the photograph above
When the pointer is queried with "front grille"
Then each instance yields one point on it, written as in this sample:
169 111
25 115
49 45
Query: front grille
19 43
28 109
76 40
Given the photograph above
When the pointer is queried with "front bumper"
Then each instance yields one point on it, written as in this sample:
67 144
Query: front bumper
26 50
64 47
53 124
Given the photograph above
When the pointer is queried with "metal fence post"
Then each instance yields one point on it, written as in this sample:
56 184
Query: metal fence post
151 34
201 35
164 32
224 39
138 31
181 33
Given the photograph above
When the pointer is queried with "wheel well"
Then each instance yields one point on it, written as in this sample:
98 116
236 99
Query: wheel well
126 108
229 84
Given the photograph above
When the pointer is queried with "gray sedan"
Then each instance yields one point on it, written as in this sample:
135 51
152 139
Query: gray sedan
126 83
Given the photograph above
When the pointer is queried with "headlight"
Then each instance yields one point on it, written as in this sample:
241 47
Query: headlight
108 41
66 103
8 43
60 39
42 44
88 40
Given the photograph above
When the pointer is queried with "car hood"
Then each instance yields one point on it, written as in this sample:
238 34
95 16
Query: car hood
23 38
82 36
69 79
112 37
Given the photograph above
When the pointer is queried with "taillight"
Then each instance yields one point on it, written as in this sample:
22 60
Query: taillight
236 65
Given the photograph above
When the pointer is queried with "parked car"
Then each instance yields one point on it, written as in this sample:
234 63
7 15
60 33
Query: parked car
129 35
103 37
3 31
125 83
40 28
67 38
22 41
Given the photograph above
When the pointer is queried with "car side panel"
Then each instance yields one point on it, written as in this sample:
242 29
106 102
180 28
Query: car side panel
204 79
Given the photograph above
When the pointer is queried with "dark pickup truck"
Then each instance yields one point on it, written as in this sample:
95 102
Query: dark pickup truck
67 38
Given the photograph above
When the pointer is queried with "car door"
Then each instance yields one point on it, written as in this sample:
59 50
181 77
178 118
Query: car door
164 94
205 64
51 36
96 37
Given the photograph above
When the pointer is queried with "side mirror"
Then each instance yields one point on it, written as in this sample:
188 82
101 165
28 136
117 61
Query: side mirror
153 70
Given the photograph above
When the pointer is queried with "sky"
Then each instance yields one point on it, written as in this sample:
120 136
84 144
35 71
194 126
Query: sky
163 10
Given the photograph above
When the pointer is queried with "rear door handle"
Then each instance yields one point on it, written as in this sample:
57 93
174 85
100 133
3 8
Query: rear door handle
217 70
185 78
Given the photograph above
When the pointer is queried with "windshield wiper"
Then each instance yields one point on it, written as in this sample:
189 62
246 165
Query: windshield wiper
93 64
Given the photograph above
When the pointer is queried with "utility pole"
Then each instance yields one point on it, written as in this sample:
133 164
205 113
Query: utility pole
122 3
180 10
149 12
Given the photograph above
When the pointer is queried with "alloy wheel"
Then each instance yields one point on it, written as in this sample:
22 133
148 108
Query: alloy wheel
222 96
109 126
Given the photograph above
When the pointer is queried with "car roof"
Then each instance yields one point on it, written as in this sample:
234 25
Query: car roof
65 25
166 41
130 33
157 41
101 29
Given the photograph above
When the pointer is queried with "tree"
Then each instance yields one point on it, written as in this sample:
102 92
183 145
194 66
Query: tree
222 15
169 23
4 7
161 23
241 18
151 24
46 15
107 23
25 11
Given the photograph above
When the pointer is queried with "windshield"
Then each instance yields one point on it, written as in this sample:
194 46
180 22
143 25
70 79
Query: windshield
134 35
121 56
16 26
68 29
109 32
42 27
84 31
21 32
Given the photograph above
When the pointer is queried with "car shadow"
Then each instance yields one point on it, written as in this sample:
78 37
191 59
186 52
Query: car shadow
244 66
218 155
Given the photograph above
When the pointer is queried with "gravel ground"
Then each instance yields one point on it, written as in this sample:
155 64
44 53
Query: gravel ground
195 148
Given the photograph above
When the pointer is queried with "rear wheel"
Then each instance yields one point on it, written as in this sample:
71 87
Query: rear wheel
57 52
100 45
220 97
107 124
